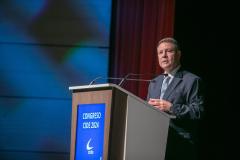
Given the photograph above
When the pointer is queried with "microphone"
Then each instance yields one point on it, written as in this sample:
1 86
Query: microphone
141 80
135 79
100 77
124 78
94 80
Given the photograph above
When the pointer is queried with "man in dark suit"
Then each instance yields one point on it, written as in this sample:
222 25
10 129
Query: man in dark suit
177 92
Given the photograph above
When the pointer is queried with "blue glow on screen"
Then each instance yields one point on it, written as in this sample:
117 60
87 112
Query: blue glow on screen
45 47
29 72
90 62
101 17
90 132
11 32
29 8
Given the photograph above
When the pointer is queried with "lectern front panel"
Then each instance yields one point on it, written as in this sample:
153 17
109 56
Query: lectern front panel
90 131
90 125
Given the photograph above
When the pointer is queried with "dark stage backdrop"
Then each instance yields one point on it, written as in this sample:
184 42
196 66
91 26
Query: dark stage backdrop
204 31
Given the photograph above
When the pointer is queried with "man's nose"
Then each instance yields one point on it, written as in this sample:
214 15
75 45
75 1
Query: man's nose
164 54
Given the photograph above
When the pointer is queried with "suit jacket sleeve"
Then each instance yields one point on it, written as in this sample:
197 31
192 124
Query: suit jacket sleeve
193 104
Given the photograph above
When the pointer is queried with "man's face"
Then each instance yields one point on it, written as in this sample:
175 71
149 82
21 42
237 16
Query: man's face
168 56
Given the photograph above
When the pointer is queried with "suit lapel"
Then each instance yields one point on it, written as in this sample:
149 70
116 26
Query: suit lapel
176 80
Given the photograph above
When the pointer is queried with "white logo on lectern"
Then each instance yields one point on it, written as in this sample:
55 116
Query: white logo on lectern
89 149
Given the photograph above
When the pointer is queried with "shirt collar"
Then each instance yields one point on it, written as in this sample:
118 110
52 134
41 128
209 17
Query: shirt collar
173 72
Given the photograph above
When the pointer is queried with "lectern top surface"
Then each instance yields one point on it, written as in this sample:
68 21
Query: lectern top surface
110 85
92 86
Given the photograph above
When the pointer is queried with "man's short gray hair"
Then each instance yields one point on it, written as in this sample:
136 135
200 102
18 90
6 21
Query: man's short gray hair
170 40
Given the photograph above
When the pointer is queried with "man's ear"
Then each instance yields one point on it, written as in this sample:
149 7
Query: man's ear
179 54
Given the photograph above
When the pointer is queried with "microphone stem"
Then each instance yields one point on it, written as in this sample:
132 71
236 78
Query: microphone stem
133 79
93 81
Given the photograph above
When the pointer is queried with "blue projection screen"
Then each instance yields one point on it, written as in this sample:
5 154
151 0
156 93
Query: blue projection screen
90 131
45 47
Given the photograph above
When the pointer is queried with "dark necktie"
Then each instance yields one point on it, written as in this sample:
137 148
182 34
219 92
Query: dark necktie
164 85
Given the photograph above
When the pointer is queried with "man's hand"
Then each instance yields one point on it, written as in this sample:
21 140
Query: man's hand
161 104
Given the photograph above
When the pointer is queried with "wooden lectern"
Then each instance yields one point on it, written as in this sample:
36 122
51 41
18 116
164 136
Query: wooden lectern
132 129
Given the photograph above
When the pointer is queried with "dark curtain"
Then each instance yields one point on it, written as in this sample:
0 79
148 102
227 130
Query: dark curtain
137 26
